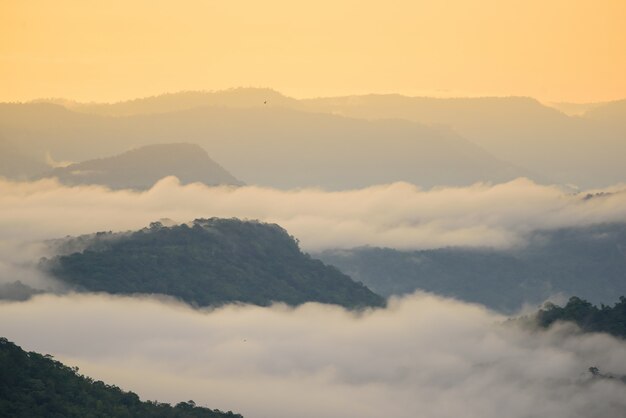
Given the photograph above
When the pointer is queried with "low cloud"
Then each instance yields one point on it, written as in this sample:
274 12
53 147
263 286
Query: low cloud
422 356
398 215
52 163
18 262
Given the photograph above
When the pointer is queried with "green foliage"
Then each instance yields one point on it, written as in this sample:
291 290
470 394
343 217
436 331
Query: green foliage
588 317
34 385
212 262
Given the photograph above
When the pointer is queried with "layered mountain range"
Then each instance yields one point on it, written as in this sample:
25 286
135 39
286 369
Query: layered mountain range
268 139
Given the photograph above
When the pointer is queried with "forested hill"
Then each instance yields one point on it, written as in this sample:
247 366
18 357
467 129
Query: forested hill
587 261
587 316
212 262
34 385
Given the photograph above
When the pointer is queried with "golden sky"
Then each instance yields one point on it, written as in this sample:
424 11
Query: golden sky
554 50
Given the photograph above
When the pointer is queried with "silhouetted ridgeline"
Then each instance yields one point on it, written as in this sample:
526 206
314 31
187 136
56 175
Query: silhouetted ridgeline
272 140
584 150
266 145
212 262
142 167
34 385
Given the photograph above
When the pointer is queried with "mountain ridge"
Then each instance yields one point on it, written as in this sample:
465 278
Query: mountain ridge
588 262
210 262
140 168
273 146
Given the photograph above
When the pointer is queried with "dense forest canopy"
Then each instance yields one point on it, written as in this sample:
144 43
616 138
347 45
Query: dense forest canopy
212 262
590 318
34 385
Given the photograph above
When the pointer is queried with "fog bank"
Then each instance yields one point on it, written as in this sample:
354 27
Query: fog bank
422 356
397 215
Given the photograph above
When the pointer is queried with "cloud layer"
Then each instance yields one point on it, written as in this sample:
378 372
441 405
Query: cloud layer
398 215
422 356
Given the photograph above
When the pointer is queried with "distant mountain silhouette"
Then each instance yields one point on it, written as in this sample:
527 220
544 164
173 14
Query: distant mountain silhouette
270 145
586 151
611 112
589 262
142 167
18 165
266 137
212 262
173 102
574 109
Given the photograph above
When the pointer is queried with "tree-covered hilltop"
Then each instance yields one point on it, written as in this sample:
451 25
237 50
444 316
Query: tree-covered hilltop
587 316
34 385
212 262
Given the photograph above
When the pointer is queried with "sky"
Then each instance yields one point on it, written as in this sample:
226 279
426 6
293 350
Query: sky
554 50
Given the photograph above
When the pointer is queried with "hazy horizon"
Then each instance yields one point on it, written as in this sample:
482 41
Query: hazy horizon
570 108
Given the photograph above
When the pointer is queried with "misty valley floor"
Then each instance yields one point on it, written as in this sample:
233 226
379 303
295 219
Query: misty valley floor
422 355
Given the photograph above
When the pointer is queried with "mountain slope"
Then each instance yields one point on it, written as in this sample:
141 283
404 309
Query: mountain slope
589 262
528 137
33 385
613 113
18 165
215 261
586 151
270 146
142 167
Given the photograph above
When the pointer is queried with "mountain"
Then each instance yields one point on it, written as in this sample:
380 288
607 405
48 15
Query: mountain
212 262
37 130
16 164
590 318
586 151
269 145
589 262
613 113
574 109
513 135
174 102
142 167
35 385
